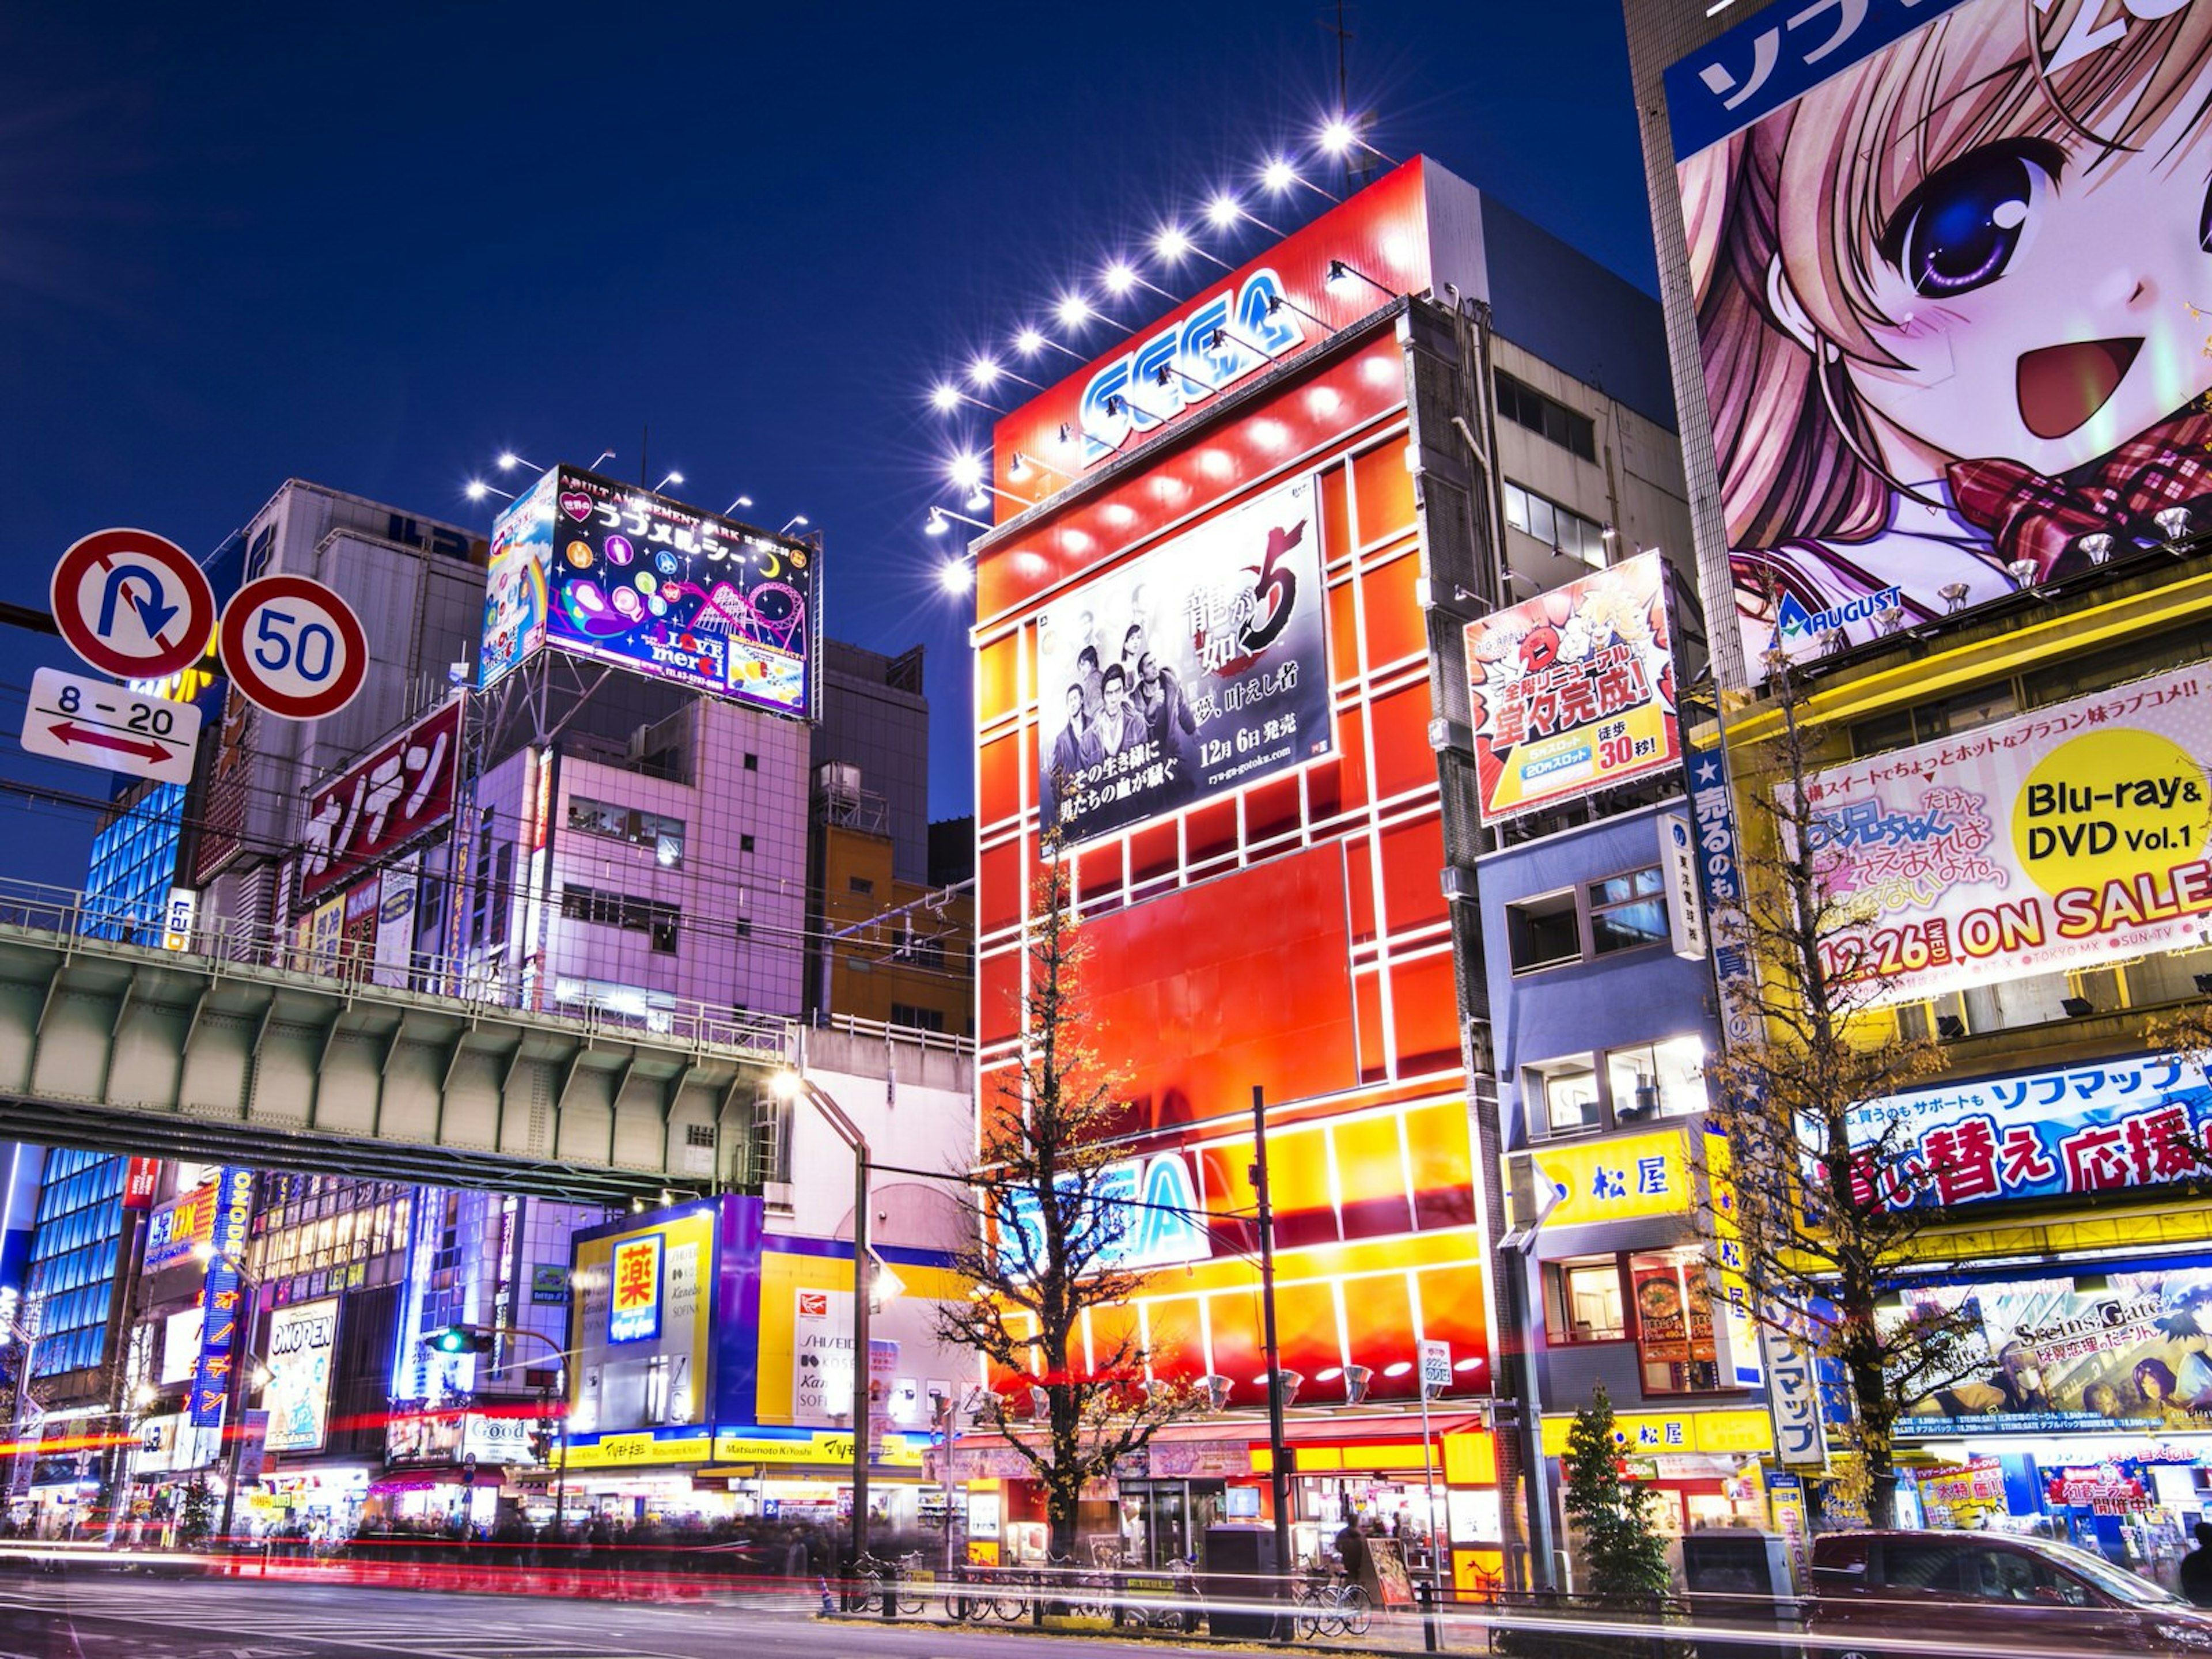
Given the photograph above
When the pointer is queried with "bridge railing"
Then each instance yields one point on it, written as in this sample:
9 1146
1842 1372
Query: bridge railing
354 967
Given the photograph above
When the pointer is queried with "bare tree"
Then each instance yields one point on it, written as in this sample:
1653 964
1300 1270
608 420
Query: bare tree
1054 1217
1823 1200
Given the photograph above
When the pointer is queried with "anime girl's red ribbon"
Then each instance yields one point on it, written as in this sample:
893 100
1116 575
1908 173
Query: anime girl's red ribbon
2129 496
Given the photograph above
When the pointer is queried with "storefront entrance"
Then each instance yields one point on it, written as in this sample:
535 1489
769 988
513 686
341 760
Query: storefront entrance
1164 1521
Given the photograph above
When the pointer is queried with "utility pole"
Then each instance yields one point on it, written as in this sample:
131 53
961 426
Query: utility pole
1279 1477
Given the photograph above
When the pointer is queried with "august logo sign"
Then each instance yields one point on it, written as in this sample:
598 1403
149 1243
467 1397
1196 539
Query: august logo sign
1795 622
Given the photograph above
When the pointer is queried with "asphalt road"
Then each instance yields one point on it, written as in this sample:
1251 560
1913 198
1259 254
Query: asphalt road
93 1613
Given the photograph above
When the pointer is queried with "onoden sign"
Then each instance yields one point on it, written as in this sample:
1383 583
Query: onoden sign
2059 839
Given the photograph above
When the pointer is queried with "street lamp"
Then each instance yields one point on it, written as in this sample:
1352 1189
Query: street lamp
235 1405
794 1085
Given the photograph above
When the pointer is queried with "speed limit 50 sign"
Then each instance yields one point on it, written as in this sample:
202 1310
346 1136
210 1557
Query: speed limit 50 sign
294 646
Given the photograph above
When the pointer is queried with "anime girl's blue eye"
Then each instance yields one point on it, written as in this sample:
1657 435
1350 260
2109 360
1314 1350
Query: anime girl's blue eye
1960 229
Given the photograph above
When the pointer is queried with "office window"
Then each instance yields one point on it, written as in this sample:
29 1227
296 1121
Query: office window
1542 933
1583 1301
861 885
1566 530
1569 1094
1614 1088
1617 912
1524 405
753 763
660 923
637 828
1628 911
744 843
918 1019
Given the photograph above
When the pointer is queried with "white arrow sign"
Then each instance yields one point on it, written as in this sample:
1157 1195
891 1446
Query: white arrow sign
96 724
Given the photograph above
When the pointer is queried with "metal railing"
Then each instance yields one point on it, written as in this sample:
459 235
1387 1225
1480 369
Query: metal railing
78 917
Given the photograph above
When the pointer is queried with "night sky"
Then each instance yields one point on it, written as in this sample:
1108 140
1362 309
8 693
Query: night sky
374 246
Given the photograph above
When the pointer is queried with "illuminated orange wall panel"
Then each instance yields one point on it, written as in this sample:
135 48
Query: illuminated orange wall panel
996 682
999 778
1192 985
1384 491
1403 759
998 999
999 888
1455 1308
1412 874
1440 1148
1425 1014
1373 1174
1395 627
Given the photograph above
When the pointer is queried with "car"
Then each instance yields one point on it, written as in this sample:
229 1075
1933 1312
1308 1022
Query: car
1991 1594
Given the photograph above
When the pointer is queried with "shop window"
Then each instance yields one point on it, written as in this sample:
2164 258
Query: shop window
1603 918
1569 1091
1673 1324
1583 1301
1587 1094
1543 932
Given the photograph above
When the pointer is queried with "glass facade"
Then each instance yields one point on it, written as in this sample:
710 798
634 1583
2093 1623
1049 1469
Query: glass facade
134 864
318 1235
73 1259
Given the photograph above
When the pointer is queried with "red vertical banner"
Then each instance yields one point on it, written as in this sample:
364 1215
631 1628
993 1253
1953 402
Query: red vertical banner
138 1180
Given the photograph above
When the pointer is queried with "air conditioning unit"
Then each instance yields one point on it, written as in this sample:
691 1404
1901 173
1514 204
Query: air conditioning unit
776 1194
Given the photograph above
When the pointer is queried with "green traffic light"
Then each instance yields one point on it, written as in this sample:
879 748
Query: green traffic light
459 1338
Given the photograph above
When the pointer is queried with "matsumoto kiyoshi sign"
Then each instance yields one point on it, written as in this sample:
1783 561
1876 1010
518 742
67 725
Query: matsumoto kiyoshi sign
1573 691
1892 450
2136 1121
2064 838
1193 670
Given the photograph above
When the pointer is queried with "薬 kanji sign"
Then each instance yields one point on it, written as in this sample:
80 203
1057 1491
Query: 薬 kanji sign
386 801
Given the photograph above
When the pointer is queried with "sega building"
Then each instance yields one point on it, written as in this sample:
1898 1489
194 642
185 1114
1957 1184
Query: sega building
2007 696
1220 653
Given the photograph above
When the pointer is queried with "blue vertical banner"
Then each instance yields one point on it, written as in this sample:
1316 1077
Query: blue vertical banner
222 1299
1720 873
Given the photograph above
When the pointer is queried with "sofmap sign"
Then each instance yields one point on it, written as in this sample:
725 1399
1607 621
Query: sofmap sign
2133 1121
607 570
2062 838
1573 691
1192 671
1924 395
396 794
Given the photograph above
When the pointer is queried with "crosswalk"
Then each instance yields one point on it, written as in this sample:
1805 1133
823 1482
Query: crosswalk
248 1626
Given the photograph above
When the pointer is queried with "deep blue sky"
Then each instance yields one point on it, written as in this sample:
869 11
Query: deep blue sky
372 246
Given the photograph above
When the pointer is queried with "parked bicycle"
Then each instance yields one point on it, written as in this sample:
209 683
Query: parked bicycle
1326 1603
872 1576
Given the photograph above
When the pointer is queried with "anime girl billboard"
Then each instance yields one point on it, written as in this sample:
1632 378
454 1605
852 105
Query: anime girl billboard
1948 260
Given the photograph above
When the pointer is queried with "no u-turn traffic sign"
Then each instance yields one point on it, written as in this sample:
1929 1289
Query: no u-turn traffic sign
133 603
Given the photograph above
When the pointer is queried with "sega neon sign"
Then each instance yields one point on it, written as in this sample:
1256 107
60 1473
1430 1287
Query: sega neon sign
1231 334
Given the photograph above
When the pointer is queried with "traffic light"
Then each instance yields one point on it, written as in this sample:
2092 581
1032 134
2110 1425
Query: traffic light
461 1338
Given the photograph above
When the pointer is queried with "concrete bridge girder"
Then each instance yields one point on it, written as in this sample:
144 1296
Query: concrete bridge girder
105 1044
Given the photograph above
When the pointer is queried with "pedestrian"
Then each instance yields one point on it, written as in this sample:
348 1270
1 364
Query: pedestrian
2194 1578
1352 1549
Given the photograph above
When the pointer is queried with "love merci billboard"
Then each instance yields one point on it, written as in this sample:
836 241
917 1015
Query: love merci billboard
1409 233
2069 836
